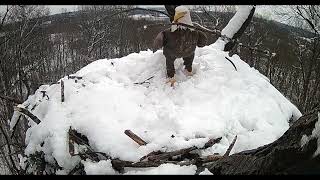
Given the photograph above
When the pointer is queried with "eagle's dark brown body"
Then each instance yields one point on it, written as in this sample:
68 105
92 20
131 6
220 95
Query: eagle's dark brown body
179 44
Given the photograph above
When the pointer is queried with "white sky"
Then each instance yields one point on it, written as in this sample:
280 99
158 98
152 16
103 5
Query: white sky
267 11
55 9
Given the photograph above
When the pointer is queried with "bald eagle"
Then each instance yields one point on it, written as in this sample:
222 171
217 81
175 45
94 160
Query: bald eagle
179 42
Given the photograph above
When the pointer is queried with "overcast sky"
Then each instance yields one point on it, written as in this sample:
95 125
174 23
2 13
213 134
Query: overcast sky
55 9
267 11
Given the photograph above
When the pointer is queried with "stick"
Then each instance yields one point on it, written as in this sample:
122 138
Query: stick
27 113
62 91
88 153
74 77
211 158
211 142
44 94
218 32
134 137
232 63
73 136
167 155
120 163
230 147
145 81
150 154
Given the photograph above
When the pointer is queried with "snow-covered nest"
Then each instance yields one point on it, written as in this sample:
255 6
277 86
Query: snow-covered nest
216 101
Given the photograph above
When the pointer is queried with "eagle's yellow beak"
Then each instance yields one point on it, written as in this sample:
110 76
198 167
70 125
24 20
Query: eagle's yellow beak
178 15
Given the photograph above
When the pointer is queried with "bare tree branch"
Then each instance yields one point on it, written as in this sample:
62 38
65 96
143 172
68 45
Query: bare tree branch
17 101
28 113
9 150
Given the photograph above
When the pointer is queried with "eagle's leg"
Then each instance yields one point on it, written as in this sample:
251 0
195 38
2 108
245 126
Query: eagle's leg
188 64
170 70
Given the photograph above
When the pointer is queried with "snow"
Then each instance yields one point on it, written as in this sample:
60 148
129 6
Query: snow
22 161
205 172
237 20
216 101
102 167
165 169
234 24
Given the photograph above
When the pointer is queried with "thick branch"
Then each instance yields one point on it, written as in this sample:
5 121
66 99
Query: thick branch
166 155
27 113
134 137
120 163
238 34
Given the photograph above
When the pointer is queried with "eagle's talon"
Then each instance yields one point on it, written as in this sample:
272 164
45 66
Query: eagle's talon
171 81
187 73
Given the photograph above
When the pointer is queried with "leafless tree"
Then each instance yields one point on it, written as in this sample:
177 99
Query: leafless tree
18 44
307 51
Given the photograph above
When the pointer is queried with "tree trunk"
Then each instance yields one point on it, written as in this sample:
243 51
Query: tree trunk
241 30
284 156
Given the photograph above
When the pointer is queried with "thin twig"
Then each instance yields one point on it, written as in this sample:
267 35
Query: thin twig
232 63
88 153
230 147
145 81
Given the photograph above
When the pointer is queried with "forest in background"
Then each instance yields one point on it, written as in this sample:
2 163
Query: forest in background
39 49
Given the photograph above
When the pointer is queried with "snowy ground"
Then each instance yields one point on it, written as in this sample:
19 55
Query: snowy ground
215 102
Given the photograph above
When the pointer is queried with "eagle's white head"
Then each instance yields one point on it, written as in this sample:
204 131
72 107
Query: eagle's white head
182 15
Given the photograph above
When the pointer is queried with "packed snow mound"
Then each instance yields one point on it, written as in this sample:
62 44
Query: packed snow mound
217 101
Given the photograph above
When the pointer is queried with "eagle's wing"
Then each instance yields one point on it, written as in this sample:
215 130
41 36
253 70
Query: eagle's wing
158 42
202 40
